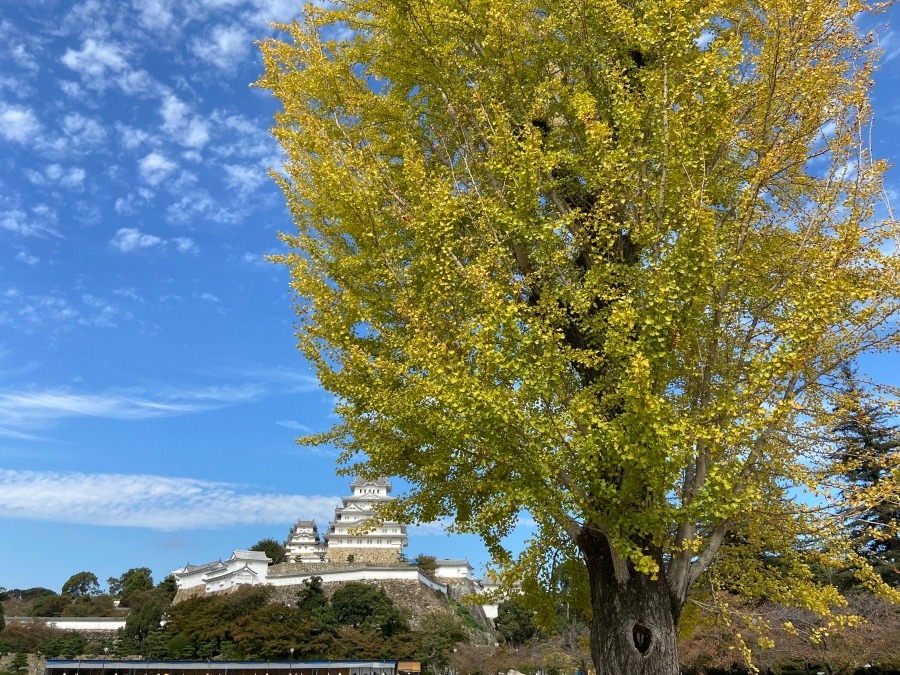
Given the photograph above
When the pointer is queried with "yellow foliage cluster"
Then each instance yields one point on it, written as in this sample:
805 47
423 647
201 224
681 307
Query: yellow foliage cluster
593 261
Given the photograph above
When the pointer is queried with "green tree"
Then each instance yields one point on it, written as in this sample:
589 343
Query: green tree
143 620
168 588
272 548
514 623
2 617
136 579
19 662
81 585
592 261
427 564
97 605
867 457
272 631
366 607
179 647
212 618
433 643
50 605
312 603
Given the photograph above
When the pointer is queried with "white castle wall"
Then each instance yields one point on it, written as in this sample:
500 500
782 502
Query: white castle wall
357 574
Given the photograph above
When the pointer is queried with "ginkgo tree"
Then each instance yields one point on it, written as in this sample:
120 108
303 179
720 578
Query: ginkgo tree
593 261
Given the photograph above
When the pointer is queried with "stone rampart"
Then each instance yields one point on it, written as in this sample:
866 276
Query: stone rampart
412 596
364 555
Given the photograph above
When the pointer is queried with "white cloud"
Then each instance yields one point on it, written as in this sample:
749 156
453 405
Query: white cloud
57 175
155 167
26 312
199 204
155 14
196 135
22 57
255 259
185 245
132 137
18 221
244 178
17 123
27 258
130 239
137 82
183 127
128 293
209 297
293 425
95 60
268 11
72 89
24 412
173 111
82 131
225 47
156 502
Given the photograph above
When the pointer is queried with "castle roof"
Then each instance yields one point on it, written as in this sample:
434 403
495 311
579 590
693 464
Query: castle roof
362 482
194 569
452 562
240 554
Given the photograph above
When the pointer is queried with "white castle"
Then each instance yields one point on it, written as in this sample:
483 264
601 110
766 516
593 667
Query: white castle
343 554
344 542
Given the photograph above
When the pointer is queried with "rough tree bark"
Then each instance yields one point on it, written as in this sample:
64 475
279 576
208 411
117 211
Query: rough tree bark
634 617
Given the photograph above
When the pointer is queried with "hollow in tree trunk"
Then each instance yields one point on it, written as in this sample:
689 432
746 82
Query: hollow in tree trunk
634 623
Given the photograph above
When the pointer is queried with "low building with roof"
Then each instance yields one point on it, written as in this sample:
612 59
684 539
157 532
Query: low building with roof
243 568
453 568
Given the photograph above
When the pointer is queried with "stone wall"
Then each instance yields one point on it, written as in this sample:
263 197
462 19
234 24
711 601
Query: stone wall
187 593
286 568
411 596
370 556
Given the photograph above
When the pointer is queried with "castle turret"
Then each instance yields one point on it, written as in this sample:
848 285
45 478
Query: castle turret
303 543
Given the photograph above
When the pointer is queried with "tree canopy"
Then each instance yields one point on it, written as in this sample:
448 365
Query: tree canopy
515 624
135 580
273 549
598 262
81 585
366 606
868 453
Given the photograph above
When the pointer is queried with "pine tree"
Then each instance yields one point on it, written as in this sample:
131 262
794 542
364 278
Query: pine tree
866 456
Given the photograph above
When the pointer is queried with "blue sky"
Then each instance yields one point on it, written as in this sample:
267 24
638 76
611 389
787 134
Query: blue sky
150 390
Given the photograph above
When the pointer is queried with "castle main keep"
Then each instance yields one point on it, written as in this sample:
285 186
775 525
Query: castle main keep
342 543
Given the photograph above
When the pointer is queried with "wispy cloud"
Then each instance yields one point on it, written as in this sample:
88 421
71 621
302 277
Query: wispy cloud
129 239
27 258
155 502
287 379
224 47
37 223
95 60
293 425
18 123
155 167
22 413
181 125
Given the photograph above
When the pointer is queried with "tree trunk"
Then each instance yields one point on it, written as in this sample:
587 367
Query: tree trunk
634 624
